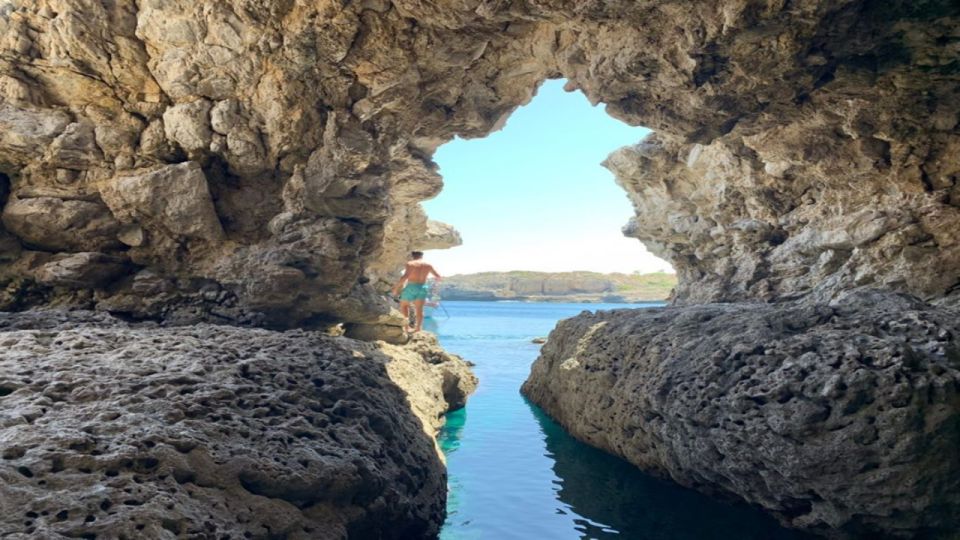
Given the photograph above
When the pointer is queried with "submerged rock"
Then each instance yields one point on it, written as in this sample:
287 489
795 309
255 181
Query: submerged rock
140 431
840 418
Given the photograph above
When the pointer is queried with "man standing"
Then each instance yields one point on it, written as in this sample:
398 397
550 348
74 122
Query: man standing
415 275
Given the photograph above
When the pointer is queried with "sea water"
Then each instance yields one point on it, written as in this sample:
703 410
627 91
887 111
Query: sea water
516 474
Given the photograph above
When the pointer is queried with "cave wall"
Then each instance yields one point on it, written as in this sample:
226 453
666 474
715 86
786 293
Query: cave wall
263 162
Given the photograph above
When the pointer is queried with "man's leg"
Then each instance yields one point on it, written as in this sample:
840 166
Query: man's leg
418 305
405 309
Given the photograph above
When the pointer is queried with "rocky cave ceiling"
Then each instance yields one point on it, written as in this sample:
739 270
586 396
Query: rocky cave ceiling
261 162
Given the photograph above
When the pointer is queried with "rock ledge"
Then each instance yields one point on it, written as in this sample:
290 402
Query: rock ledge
841 419
114 430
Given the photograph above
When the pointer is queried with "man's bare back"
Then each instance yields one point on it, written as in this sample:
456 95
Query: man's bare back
418 271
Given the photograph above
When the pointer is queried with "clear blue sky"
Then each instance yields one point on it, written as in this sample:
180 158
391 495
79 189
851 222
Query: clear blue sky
533 195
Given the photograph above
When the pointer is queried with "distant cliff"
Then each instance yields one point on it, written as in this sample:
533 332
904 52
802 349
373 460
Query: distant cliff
559 287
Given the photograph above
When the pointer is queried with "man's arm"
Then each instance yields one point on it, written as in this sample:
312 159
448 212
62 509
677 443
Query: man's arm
435 273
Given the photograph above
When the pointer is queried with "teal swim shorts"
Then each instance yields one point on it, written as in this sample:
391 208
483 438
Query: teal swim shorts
414 291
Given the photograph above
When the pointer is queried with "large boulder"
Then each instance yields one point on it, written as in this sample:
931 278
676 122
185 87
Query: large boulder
841 418
115 430
172 200
55 224
25 131
84 270
439 235
188 126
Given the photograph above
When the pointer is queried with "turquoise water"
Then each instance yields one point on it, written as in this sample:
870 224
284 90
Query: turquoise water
515 474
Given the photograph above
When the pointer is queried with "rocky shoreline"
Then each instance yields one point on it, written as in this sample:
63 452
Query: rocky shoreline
113 430
838 418
576 287
263 164
486 296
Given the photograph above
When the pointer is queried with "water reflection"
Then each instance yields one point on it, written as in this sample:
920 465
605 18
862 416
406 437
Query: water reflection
613 499
515 475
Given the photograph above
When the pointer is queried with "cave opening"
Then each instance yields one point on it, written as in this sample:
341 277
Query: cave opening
534 196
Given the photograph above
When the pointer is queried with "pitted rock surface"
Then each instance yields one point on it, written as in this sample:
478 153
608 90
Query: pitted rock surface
801 148
262 163
112 430
843 419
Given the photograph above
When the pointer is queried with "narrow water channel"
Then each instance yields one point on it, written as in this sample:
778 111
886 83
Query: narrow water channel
515 474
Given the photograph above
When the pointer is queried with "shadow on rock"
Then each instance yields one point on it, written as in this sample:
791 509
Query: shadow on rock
607 490
113 430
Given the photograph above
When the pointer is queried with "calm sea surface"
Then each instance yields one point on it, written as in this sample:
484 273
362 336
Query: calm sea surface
515 474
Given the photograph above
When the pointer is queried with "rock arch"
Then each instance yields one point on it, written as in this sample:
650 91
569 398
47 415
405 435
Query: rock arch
800 148
261 162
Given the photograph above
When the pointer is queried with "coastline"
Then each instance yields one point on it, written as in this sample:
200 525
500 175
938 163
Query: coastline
559 300
559 287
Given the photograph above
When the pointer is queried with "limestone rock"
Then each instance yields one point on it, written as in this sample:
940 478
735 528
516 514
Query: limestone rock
434 390
76 148
188 125
10 248
275 153
390 333
154 143
61 225
837 418
407 231
87 270
132 235
148 432
25 132
791 156
172 202
439 235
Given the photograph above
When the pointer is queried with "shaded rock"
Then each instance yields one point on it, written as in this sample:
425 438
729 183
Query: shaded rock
813 412
61 225
448 381
803 149
153 141
339 178
439 236
376 332
172 202
76 148
132 235
81 270
112 429
188 126
155 296
282 276
9 247
791 155
25 132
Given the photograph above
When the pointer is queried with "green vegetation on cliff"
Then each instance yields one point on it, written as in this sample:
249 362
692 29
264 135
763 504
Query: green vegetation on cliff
559 287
